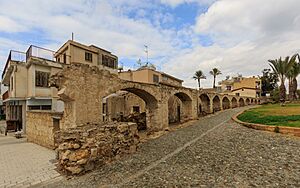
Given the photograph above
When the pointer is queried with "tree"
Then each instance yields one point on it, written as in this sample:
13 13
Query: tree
198 76
292 75
268 82
215 72
281 68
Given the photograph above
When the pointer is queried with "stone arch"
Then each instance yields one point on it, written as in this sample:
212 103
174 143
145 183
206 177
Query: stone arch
179 107
149 98
225 103
234 102
204 106
216 103
151 104
247 101
241 102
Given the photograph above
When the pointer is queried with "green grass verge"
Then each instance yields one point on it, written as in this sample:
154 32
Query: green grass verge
261 116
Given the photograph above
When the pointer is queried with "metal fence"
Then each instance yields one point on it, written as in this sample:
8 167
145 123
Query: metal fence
35 51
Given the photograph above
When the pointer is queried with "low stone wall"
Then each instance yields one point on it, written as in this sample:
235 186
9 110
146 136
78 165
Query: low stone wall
278 129
40 127
80 149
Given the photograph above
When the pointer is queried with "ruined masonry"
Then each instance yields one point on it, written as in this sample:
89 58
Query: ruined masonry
84 147
85 140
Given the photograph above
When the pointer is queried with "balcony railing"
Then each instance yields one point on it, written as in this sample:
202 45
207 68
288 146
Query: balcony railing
14 56
35 51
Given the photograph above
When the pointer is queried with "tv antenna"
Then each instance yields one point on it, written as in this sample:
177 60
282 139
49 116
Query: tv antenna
139 62
146 51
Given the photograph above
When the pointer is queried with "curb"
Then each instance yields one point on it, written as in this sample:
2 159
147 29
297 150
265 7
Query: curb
278 129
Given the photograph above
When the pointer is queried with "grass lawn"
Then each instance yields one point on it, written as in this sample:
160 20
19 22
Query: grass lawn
273 114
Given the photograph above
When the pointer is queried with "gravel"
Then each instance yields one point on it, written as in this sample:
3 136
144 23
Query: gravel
213 152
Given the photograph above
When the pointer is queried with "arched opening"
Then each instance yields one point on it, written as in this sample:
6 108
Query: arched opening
130 105
174 110
252 101
255 101
179 108
241 102
234 102
204 105
247 101
225 103
216 104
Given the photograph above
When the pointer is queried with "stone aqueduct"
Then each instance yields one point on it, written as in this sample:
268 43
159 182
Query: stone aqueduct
82 89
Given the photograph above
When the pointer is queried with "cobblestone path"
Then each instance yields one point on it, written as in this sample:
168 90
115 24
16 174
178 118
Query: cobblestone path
214 152
23 164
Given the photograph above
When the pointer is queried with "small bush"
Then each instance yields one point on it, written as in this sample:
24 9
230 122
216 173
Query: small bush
276 130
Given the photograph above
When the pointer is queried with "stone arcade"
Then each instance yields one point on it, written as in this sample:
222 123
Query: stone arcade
82 89
85 137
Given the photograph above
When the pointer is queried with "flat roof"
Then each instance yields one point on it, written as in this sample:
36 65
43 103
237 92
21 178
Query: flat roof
91 48
154 71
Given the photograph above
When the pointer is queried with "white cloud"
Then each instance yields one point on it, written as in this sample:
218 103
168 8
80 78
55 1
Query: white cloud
175 3
232 21
245 34
9 25
101 23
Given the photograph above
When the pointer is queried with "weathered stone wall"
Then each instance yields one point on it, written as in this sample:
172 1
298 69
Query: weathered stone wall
41 126
82 88
81 149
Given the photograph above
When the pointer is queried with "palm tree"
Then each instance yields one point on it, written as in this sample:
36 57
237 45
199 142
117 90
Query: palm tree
198 76
281 68
292 75
215 72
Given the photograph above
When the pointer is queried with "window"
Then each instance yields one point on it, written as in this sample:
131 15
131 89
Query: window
65 58
237 94
12 83
155 78
109 61
56 124
165 78
228 88
136 109
42 79
88 56
39 107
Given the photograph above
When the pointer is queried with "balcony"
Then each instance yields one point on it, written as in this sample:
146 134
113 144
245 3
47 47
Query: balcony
14 56
41 53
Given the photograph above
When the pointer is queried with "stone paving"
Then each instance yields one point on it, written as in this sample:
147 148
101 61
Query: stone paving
213 152
23 164
2 126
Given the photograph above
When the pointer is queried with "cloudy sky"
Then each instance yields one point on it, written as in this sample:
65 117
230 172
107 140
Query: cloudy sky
236 36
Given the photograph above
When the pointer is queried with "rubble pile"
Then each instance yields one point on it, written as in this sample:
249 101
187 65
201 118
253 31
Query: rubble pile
138 118
80 149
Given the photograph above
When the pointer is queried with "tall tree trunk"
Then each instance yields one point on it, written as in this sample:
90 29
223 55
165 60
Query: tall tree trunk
291 90
295 85
199 84
214 86
282 93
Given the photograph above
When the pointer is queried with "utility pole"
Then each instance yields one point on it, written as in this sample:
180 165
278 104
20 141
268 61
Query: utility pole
72 36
